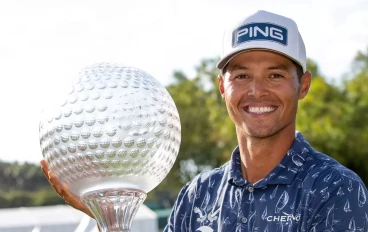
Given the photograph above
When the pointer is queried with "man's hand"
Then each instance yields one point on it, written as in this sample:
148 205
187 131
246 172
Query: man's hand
63 190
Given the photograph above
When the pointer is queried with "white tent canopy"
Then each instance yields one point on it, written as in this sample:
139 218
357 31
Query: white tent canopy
62 218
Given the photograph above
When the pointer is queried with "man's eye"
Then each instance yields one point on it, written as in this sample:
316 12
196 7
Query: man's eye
242 76
276 76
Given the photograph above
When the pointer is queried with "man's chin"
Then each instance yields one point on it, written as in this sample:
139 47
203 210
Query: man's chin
261 133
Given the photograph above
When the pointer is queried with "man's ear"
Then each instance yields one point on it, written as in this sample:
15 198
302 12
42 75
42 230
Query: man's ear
305 83
220 79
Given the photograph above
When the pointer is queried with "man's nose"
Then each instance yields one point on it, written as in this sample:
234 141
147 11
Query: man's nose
258 88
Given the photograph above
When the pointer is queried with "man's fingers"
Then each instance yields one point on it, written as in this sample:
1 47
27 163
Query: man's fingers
55 182
44 168
63 190
51 177
74 200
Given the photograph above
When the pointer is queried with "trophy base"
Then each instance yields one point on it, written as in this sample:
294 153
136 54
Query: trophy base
114 209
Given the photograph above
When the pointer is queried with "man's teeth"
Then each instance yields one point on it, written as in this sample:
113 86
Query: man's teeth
260 110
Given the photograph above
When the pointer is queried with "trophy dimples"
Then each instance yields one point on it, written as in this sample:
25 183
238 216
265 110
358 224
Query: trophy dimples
113 139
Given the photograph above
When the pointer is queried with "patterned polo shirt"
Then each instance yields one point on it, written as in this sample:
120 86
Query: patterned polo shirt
307 191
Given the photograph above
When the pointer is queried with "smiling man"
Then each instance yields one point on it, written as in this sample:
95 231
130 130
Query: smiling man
274 181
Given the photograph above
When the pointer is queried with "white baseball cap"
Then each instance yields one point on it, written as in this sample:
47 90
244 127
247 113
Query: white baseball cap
265 31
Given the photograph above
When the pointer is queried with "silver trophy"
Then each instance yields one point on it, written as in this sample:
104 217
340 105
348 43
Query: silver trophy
113 139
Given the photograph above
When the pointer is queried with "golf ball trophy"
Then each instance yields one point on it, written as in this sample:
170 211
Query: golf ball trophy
113 139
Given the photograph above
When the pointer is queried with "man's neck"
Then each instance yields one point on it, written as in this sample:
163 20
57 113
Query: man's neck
260 156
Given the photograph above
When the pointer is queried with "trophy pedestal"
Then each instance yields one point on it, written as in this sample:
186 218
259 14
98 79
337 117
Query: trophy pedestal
114 209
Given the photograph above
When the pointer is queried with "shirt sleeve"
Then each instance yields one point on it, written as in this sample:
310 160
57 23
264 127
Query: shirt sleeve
174 218
345 209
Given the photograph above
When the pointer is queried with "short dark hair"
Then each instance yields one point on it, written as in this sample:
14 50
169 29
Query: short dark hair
299 70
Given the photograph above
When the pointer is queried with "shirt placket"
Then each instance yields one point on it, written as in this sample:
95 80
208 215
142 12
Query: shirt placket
246 210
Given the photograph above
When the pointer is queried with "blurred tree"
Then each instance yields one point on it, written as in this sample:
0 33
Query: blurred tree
333 119
356 92
360 63
313 68
20 183
46 196
317 114
208 135
4 202
321 118
19 199
25 177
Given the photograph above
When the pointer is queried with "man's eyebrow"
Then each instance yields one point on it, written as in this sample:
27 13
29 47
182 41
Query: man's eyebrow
279 67
238 67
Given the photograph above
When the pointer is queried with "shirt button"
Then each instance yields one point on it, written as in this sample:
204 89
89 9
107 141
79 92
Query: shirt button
244 220
250 189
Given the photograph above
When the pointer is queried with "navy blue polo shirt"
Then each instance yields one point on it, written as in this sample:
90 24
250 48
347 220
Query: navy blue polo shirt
307 191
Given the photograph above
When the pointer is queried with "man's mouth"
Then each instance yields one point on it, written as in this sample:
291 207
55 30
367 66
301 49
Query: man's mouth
260 110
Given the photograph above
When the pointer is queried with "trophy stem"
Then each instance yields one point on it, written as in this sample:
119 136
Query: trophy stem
114 209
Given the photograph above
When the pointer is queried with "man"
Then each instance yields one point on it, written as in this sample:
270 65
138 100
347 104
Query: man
274 181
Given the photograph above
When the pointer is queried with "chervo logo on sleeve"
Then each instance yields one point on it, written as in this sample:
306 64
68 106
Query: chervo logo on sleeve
260 31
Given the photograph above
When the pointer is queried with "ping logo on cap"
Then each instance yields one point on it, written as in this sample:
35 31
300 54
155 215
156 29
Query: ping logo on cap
259 31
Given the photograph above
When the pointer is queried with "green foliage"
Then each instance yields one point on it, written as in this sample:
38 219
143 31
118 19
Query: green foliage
320 118
18 198
356 91
208 135
46 196
313 67
27 177
333 118
25 185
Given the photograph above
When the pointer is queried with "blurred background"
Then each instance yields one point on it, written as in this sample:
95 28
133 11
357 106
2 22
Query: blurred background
44 44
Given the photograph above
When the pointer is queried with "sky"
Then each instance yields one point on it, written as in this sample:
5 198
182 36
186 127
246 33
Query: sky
45 43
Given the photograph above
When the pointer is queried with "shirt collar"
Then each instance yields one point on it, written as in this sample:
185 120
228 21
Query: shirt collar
235 174
283 173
